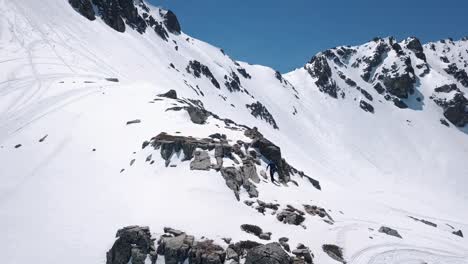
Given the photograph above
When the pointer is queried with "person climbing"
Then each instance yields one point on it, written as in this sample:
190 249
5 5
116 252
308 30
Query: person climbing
273 169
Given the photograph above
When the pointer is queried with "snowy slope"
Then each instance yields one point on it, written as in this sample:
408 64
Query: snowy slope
73 171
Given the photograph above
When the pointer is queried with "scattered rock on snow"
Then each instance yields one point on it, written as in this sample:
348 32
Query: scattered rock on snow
389 231
135 243
334 252
136 121
458 233
172 94
271 253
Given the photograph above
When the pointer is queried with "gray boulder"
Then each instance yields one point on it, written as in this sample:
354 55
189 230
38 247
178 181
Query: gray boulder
201 161
206 252
389 231
334 252
133 243
175 249
271 253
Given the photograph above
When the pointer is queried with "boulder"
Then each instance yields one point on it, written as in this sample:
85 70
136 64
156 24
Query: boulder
197 115
271 253
172 94
458 233
201 161
133 242
206 252
290 217
175 249
334 251
389 231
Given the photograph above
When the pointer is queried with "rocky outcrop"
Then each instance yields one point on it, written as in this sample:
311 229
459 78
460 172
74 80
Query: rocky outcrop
84 7
171 94
415 45
318 211
334 251
459 74
458 233
374 60
389 231
258 110
171 22
235 179
455 109
133 244
302 254
271 253
206 252
197 69
366 106
232 82
318 68
175 249
118 14
256 230
291 216
201 161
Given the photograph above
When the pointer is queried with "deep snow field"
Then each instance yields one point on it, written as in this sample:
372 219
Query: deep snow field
73 171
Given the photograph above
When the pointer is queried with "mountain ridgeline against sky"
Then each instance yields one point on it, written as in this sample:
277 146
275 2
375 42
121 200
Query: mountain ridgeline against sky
125 140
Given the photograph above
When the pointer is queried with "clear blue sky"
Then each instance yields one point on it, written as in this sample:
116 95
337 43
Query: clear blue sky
286 34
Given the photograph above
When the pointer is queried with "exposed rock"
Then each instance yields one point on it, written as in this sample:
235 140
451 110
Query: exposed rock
258 110
424 221
284 243
455 109
316 210
232 82
399 84
447 88
172 231
252 229
206 252
244 73
458 233
389 231
197 69
84 7
415 45
399 103
366 106
242 247
197 114
265 236
334 252
379 88
290 216
444 122
133 242
319 68
303 253
375 60
175 249
271 253
171 22
172 94
202 161
136 121
459 74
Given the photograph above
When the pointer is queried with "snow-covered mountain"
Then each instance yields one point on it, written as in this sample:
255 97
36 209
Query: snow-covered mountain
111 116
